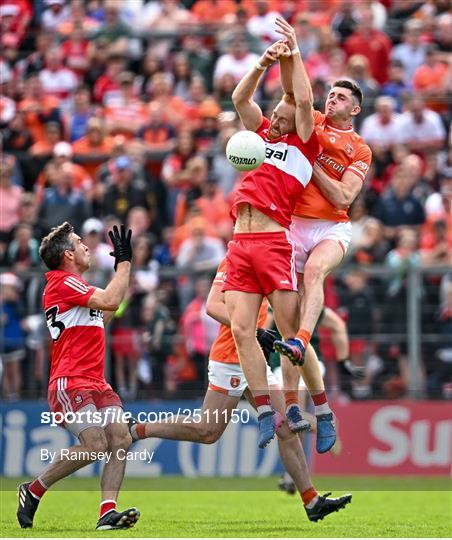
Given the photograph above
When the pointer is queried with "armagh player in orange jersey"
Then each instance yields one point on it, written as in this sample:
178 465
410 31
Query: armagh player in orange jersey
320 227
227 384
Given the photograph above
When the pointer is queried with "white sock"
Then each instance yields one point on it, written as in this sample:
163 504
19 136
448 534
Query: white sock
322 409
313 502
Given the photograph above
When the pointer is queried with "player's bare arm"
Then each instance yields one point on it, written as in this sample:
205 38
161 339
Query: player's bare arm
216 307
342 193
287 62
249 111
108 299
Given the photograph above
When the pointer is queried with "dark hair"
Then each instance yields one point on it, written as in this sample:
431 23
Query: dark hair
354 87
54 245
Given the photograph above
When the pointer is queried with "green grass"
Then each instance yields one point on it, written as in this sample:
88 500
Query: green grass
175 507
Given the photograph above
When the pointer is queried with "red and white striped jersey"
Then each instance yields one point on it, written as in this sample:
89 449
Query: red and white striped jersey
275 186
77 331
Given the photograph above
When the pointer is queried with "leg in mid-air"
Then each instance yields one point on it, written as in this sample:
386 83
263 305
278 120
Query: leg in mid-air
214 417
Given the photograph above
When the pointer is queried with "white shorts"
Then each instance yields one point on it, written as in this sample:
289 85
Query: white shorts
277 372
307 233
229 378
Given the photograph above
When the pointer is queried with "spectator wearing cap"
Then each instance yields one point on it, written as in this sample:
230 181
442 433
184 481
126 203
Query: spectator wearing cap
62 155
55 14
207 132
422 128
62 202
100 261
126 114
12 346
431 79
10 199
396 87
15 16
38 107
94 148
122 194
411 52
57 80
371 43
381 130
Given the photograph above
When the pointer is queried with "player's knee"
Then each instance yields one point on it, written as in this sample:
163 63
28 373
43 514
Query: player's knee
243 333
314 271
97 443
121 440
209 433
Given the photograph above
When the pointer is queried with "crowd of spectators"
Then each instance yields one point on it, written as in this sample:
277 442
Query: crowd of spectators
120 110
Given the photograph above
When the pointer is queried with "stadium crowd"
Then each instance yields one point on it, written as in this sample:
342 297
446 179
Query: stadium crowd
120 110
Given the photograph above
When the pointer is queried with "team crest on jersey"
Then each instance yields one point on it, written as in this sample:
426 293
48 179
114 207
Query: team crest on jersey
349 149
78 399
235 381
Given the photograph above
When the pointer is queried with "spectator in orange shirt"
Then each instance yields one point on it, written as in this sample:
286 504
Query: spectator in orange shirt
44 147
156 134
430 79
161 91
62 155
94 148
38 108
213 11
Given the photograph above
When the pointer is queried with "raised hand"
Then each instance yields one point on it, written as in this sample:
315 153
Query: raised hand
122 244
274 52
284 28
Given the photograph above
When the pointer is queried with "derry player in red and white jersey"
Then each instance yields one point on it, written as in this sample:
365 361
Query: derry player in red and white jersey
261 257
89 408
320 227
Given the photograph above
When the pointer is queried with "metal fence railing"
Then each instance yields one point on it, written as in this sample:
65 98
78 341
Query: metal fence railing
398 323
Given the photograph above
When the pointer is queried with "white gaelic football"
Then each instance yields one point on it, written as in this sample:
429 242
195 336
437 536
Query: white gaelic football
245 151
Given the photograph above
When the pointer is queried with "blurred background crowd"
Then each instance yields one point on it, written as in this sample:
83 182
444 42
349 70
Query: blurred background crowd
120 110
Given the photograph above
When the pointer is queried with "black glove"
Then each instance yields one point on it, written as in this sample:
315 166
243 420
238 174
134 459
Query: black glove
122 245
266 338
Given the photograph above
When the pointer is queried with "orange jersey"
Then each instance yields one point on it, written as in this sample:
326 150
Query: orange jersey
342 150
223 348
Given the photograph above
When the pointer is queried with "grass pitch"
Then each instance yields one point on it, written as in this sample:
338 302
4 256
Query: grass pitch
251 507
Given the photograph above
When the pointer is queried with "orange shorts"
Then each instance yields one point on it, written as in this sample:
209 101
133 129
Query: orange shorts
260 263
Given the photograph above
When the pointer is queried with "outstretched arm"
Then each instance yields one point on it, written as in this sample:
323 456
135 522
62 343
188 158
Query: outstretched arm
287 63
301 86
249 111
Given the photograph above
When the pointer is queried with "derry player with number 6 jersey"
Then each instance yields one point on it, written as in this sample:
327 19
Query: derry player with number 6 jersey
75 314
